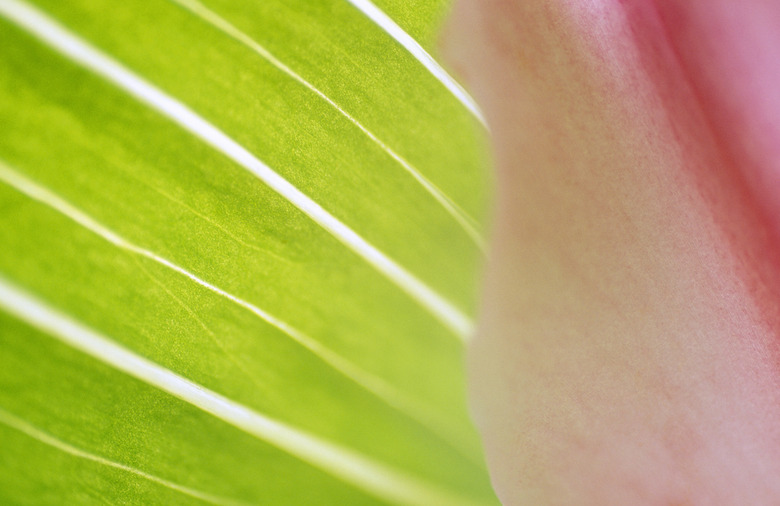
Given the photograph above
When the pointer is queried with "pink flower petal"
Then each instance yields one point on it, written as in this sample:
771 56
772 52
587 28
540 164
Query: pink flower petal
628 344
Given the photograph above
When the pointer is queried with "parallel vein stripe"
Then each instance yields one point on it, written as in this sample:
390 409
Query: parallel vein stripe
59 38
34 432
377 386
212 335
453 209
384 21
364 473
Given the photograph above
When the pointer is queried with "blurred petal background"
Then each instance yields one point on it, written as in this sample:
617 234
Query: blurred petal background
628 342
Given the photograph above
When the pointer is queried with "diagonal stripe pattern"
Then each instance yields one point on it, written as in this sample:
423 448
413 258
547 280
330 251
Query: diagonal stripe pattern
458 214
360 471
70 45
384 21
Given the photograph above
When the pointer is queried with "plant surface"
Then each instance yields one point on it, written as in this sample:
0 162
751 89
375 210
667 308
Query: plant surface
238 250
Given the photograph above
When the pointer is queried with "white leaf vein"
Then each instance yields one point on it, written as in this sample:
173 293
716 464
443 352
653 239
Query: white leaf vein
212 335
384 21
454 210
34 432
413 408
362 472
80 51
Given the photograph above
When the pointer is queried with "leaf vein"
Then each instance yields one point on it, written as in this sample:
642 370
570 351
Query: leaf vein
384 21
235 361
360 471
80 51
34 432
371 383
453 209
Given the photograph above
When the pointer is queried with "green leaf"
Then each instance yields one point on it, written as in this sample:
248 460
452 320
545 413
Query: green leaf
239 251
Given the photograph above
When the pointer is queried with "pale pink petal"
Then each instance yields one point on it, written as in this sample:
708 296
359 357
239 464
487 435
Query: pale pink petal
629 336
